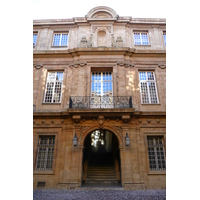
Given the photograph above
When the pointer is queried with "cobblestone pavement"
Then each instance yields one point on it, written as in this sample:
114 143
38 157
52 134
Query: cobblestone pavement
98 194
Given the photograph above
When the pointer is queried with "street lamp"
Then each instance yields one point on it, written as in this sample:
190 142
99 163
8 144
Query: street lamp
127 139
75 140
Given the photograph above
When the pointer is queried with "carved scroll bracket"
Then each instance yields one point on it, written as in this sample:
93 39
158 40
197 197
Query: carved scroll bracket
78 64
162 66
124 64
38 66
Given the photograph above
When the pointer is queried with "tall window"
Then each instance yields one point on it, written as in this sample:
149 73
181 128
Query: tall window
101 90
101 84
45 153
156 153
53 87
164 36
141 39
148 87
34 39
60 39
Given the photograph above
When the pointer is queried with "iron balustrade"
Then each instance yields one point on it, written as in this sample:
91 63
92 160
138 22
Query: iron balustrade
84 102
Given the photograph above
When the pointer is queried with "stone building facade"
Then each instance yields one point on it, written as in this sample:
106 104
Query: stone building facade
100 79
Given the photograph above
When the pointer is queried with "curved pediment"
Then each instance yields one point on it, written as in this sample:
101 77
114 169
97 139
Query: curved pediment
101 12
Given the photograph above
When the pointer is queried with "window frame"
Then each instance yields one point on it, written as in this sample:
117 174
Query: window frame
148 92
46 132
140 32
35 33
154 134
101 81
164 38
53 87
60 33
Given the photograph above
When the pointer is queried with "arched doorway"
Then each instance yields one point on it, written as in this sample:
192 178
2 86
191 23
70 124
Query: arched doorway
101 158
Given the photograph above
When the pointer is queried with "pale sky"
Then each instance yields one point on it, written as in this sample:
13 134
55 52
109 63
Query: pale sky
61 9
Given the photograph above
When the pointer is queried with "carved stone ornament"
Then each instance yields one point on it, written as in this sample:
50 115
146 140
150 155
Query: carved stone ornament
118 128
101 121
84 43
125 118
158 120
84 128
78 64
148 120
124 64
38 66
76 118
118 42
162 66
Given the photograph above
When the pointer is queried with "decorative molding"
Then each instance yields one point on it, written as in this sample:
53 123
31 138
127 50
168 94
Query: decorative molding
140 121
94 28
125 118
162 66
84 43
62 121
148 120
84 128
38 66
43 121
158 120
118 128
52 121
124 64
76 118
101 121
78 64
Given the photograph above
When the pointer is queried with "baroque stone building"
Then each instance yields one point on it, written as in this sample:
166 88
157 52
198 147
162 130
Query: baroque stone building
99 101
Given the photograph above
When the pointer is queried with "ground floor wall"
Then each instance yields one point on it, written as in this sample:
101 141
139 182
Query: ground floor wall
67 168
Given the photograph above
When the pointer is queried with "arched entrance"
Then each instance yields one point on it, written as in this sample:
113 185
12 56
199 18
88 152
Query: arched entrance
101 158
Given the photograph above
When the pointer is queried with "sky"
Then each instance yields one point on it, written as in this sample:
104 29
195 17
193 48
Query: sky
61 9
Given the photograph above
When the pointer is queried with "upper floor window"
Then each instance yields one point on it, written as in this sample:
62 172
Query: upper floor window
34 39
60 39
164 36
156 153
148 87
101 84
45 153
53 87
141 38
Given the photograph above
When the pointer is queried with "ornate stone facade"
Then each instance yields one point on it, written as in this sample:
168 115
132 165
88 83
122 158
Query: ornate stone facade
101 44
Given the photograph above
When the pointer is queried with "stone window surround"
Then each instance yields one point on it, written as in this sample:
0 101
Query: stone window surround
46 133
140 69
60 31
154 133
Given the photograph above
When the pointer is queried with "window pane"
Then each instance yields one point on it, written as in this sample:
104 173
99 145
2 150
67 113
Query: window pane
152 91
150 76
56 40
64 40
144 38
144 92
137 39
164 36
34 39
49 92
142 75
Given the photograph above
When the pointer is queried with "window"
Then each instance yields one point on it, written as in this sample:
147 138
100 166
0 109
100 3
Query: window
101 84
148 88
141 39
45 153
53 87
34 39
60 39
101 90
156 153
164 36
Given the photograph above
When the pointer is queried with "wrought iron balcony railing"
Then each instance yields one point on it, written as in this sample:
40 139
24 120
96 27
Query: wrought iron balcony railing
83 102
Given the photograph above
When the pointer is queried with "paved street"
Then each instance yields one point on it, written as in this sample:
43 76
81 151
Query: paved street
101 193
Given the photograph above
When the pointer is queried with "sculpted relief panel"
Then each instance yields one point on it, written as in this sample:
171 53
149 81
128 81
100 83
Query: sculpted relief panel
101 39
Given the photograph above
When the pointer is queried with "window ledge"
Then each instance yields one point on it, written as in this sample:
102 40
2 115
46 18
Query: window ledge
59 46
161 172
51 103
43 172
142 45
150 104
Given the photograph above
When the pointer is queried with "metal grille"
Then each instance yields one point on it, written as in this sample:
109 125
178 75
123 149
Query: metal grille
141 38
85 102
34 39
45 153
53 87
60 40
156 153
148 88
